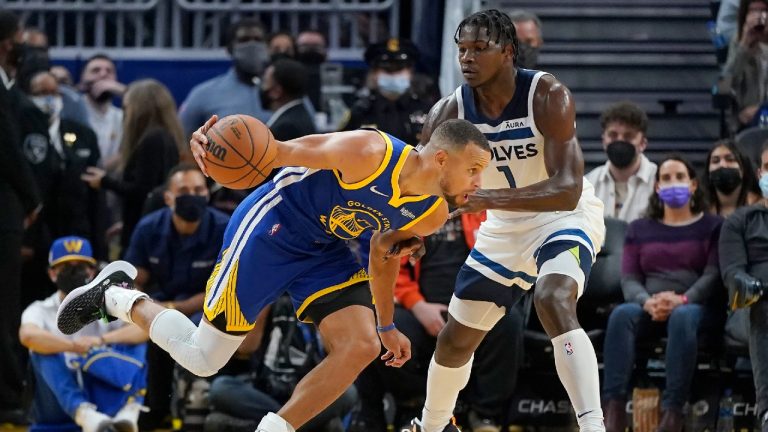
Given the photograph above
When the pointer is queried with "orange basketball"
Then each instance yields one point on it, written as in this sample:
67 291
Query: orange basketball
241 151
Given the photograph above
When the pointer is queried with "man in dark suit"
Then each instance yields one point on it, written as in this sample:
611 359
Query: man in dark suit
74 208
20 205
283 87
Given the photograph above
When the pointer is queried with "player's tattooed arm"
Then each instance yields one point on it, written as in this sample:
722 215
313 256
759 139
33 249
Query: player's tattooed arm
445 109
555 117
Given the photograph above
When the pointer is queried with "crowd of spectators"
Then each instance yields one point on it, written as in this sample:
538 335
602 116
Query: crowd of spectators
84 179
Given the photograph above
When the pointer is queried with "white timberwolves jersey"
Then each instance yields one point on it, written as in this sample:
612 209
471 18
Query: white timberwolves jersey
517 146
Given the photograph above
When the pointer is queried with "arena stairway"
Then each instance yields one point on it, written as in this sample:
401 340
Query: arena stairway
656 53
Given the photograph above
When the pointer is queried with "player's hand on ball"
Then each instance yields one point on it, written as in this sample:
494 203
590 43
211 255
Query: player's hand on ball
398 348
474 203
198 143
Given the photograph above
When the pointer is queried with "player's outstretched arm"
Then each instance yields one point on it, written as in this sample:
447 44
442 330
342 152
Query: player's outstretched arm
384 265
356 154
555 117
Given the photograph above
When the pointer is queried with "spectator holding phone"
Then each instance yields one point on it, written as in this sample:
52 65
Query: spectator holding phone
747 67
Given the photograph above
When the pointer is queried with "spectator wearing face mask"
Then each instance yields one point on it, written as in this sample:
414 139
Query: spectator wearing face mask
281 45
35 60
626 181
530 40
94 378
20 207
744 264
75 208
99 84
174 250
729 180
671 285
152 144
237 91
312 51
746 70
283 89
392 106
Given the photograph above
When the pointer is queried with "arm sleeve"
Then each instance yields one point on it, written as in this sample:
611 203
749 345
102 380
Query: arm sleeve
632 279
707 284
406 287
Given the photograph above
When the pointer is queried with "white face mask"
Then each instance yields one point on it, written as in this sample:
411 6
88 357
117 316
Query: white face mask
49 104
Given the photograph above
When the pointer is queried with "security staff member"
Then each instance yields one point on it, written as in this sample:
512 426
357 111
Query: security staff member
75 207
392 105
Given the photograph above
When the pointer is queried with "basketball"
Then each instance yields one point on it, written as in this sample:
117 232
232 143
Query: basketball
241 152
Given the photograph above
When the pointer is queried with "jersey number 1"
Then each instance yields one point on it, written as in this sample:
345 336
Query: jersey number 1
508 174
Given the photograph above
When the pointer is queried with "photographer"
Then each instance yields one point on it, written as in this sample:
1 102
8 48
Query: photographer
746 71
744 265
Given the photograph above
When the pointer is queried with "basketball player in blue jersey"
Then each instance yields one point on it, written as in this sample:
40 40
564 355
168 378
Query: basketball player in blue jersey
289 236
544 224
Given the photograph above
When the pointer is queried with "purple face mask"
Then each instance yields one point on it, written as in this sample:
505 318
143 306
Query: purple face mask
676 195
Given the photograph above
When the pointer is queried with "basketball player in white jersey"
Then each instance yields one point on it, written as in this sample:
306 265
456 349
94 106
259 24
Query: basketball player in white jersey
544 225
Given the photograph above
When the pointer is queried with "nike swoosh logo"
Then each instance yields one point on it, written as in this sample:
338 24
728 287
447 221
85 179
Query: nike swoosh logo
583 414
376 191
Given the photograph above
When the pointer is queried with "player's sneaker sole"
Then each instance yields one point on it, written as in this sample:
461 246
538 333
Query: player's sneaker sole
85 305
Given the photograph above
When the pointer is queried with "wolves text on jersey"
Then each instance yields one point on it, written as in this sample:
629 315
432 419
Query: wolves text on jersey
502 152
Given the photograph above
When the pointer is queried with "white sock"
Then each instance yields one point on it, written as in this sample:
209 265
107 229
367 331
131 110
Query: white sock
274 423
576 365
443 387
119 302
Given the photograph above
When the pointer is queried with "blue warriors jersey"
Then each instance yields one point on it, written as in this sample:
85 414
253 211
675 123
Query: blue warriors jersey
289 236
330 208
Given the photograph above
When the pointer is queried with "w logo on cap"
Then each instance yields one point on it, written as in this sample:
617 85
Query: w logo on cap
70 248
73 245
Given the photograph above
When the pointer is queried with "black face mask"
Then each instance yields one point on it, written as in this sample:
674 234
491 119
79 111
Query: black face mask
190 207
621 153
72 276
725 180
528 56
311 57
280 56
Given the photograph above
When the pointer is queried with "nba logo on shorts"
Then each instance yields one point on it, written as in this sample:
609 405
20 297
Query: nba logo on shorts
568 348
275 228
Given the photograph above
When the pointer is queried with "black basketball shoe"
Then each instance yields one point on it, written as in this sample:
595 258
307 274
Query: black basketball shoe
85 305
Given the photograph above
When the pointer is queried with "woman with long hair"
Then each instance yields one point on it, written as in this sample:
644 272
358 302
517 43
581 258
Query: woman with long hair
729 180
670 281
152 142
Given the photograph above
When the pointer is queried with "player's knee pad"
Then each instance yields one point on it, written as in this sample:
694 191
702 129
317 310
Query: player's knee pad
202 350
